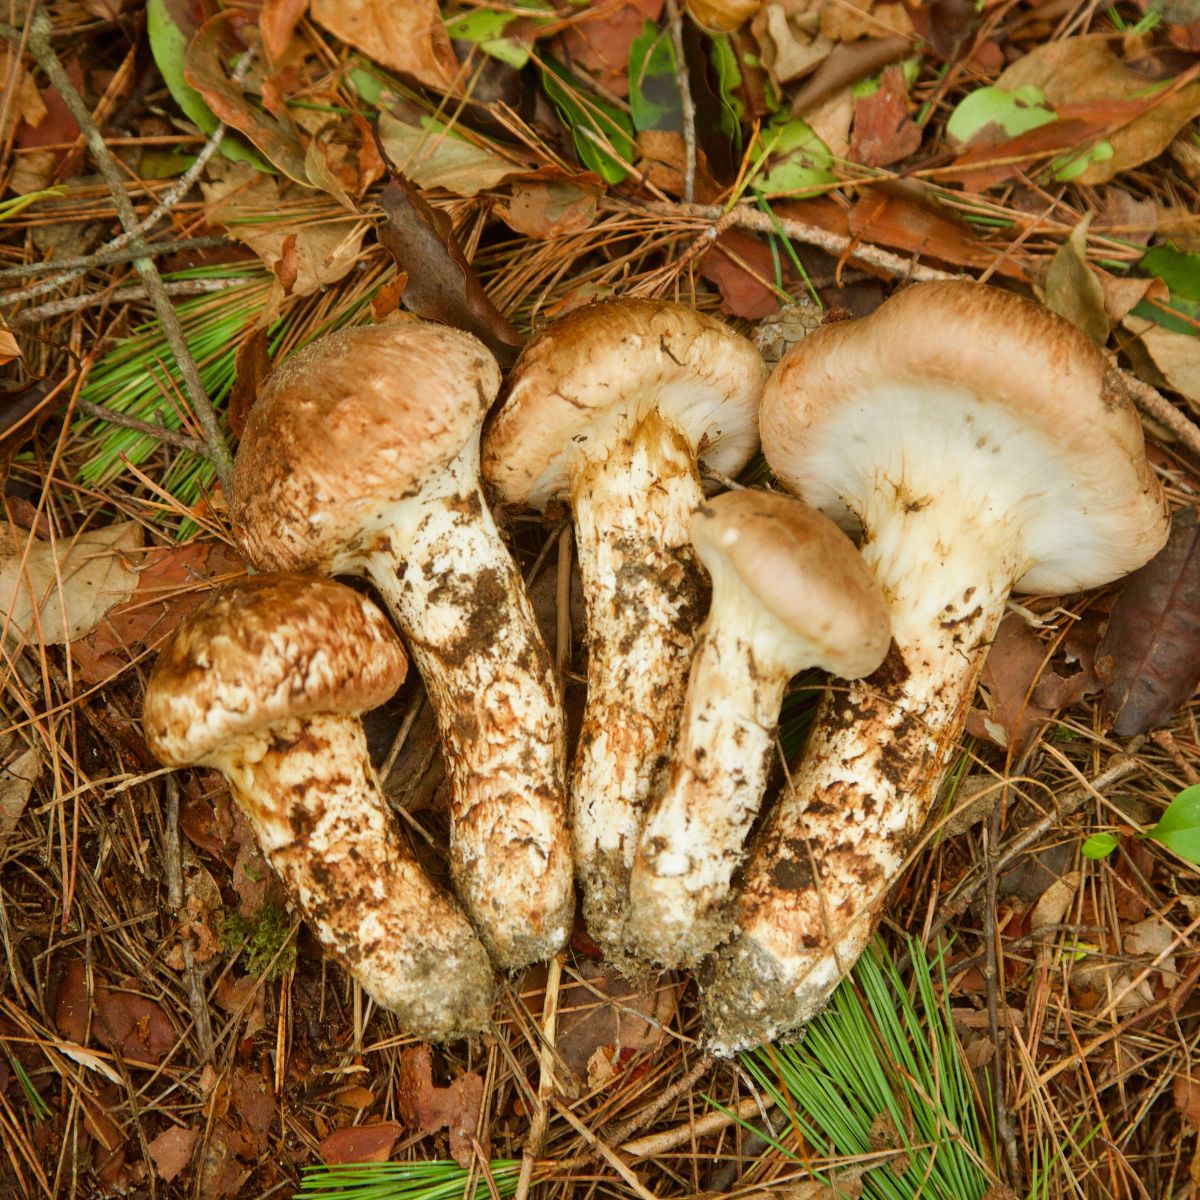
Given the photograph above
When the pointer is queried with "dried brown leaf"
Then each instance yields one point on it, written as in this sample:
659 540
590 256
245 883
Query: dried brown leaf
1072 288
1074 71
407 36
1149 657
1187 1099
360 1143
17 778
58 592
883 131
441 158
133 1026
722 16
600 37
441 284
430 1108
204 69
276 21
846 64
172 1150
547 209
742 268
789 34
1174 358
952 25
1014 663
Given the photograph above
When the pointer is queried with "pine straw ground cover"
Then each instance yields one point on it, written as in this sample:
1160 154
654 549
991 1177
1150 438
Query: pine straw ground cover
1027 1024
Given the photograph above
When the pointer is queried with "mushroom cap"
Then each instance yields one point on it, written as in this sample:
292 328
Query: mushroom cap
262 650
351 423
803 570
588 379
963 390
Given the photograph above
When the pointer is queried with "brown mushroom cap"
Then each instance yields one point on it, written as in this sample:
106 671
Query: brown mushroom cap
589 378
349 424
967 390
262 650
803 570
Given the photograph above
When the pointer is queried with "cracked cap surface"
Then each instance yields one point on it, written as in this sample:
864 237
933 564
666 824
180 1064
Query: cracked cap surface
349 424
967 392
262 650
589 378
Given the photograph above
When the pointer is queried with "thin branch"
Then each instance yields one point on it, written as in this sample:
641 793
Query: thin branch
1156 406
836 244
675 25
106 256
169 437
70 304
39 45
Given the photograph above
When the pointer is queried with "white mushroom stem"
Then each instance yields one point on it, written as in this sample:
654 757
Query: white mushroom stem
440 565
644 595
694 835
819 875
310 793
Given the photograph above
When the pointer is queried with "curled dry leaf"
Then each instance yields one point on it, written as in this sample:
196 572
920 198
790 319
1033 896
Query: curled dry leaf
1073 289
883 131
17 777
57 592
273 134
1166 358
789 33
722 16
1141 120
599 39
547 209
1149 657
437 156
276 21
407 36
430 1108
441 284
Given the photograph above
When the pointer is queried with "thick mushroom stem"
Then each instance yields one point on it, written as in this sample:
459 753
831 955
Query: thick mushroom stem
310 793
441 567
693 838
644 592
818 877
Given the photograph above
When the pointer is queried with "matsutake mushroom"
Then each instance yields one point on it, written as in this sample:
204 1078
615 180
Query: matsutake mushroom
612 408
789 591
265 682
980 443
361 457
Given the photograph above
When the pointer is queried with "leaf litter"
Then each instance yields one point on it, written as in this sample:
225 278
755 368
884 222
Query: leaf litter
541 161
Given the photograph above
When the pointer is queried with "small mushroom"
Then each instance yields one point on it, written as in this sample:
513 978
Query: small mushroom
265 682
789 591
980 443
361 457
611 408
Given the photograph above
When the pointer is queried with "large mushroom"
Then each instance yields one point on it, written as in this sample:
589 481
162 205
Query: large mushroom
611 408
980 443
265 682
789 591
361 457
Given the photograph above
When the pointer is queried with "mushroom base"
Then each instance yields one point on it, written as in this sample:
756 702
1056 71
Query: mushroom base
310 793
820 872
450 582
645 594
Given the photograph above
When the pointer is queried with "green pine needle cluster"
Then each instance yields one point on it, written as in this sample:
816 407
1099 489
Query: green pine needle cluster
879 1071
436 1180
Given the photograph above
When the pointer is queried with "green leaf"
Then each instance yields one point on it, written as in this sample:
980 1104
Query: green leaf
168 44
1100 845
729 79
1181 273
485 27
654 81
1071 166
798 161
1015 112
602 133
1179 827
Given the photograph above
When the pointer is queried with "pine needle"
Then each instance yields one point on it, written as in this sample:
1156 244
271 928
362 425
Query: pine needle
436 1180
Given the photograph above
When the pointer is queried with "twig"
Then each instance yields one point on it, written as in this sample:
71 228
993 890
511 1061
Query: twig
754 1143
1155 405
545 1089
38 33
667 1096
607 1153
168 437
104 257
675 25
835 244
70 304
669 1139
